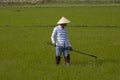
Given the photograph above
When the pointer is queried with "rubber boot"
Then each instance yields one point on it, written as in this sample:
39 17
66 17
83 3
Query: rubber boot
58 58
67 60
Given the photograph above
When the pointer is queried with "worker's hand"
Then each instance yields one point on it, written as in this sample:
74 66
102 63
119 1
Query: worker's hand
70 48
54 44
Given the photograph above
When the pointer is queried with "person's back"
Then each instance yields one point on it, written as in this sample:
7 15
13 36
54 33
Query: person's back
61 36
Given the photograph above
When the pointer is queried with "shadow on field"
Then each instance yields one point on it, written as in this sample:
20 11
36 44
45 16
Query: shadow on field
97 62
101 62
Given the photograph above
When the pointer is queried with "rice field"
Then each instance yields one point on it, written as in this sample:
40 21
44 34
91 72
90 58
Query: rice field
24 32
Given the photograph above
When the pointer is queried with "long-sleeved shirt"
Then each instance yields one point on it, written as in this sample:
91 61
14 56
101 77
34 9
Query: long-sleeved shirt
60 37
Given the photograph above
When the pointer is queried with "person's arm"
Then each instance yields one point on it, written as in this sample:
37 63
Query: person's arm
69 44
53 36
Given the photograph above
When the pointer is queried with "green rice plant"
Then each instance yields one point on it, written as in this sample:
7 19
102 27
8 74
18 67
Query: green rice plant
46 16
25 55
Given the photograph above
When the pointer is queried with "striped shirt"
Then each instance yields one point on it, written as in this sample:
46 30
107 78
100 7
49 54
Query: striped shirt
59 37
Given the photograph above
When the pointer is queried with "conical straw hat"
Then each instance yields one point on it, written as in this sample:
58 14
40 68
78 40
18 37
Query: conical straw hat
63 20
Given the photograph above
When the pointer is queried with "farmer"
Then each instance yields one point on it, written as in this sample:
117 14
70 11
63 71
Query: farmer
60 41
